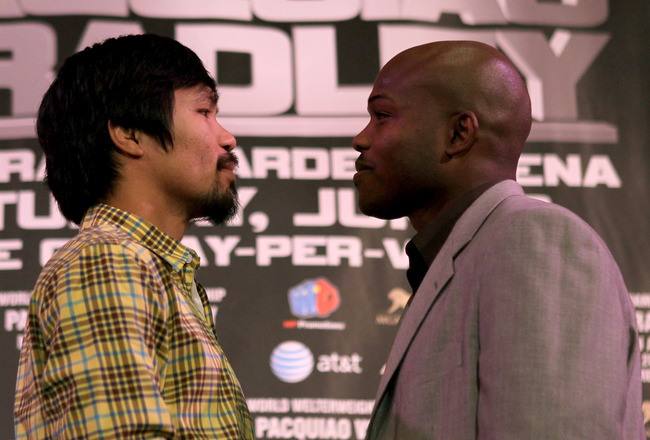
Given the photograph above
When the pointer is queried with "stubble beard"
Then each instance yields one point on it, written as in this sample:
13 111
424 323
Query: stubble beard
221 205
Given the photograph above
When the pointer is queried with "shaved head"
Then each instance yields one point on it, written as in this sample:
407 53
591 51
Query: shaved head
470 76
445 118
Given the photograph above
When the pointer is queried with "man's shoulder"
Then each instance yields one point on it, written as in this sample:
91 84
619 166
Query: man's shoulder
526 208
106 233
106 239
505 206
523 219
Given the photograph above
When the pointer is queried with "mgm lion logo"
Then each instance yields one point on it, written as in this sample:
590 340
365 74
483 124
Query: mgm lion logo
646 415
398 298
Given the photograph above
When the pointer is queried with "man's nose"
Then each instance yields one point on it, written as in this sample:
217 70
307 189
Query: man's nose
226 139
360 141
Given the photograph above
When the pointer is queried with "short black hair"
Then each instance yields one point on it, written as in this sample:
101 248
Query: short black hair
129 81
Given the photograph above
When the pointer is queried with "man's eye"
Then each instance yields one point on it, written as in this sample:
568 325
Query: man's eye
381 115
204 112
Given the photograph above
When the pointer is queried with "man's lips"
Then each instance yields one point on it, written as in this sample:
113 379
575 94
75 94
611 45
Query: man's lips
227 162
362 165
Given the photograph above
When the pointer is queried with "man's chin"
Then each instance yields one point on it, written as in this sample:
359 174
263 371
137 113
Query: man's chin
221 210
223 215
371 209
378 211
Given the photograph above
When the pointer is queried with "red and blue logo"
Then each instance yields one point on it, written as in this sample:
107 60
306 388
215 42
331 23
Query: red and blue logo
314 299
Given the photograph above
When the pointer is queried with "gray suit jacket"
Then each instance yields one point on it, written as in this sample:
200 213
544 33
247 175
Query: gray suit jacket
522 329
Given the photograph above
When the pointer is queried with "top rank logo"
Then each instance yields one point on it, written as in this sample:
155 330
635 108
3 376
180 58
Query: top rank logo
314 299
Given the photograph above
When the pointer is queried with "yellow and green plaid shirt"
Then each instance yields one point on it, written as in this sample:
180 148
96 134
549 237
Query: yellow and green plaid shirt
115 347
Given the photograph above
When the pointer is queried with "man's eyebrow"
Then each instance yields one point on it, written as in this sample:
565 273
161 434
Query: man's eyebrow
209 94
376 97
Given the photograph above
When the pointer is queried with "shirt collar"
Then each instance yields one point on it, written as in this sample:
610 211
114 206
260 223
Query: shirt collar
425 245
174 252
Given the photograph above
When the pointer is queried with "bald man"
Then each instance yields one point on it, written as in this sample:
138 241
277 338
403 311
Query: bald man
520 325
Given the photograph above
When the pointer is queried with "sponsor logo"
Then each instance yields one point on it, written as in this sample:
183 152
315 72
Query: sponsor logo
314 298
310 299
398 298
215 296
645 407
293 361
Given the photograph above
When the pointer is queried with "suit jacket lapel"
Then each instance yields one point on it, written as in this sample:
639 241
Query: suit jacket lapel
440 272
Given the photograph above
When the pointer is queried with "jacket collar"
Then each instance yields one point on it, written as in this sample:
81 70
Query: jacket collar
441 271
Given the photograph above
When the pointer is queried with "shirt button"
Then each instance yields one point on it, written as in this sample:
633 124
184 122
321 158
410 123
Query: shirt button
189 258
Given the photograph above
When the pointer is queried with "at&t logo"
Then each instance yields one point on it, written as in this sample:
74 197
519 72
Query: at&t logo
293 361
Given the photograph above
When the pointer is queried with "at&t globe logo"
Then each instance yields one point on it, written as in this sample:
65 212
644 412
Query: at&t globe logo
292 361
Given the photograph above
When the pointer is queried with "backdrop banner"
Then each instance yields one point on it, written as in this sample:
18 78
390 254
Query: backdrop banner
301 273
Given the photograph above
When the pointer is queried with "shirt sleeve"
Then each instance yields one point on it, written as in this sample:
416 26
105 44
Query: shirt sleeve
105 325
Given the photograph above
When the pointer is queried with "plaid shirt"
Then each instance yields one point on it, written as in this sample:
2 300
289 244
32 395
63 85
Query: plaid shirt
115 347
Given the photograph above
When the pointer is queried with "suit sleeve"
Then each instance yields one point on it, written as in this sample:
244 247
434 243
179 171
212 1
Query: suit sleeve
558 348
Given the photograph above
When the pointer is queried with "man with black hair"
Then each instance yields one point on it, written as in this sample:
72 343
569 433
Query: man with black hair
120 341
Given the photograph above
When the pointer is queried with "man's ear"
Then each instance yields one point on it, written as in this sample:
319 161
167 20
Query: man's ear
125 139
464 129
